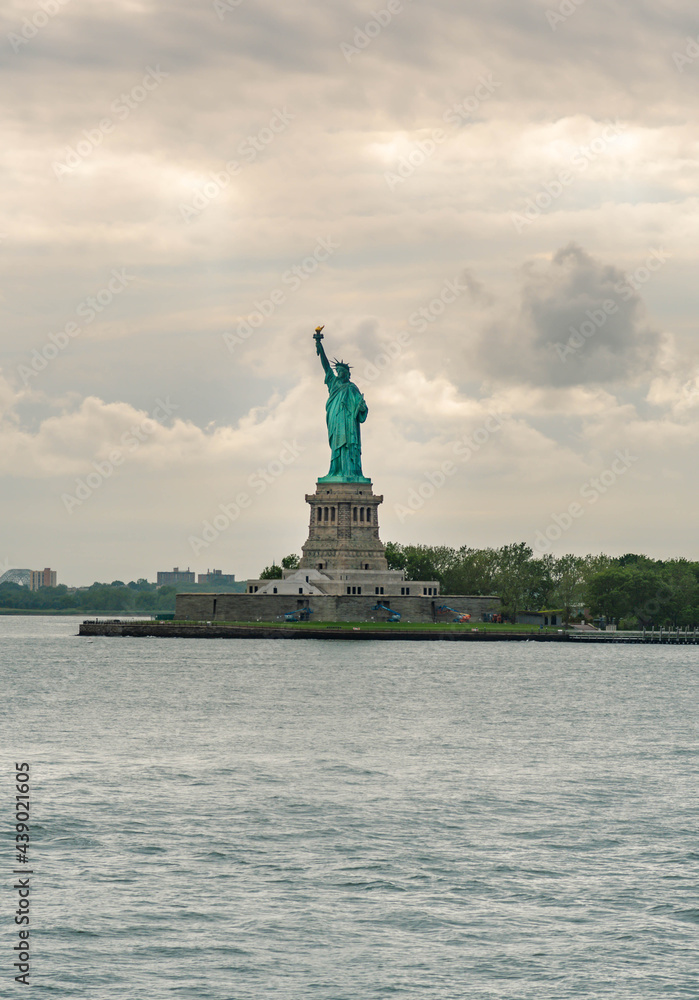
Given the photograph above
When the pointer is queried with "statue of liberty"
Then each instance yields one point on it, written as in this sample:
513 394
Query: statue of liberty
345 410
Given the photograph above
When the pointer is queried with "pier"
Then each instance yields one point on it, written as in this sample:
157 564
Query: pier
660 636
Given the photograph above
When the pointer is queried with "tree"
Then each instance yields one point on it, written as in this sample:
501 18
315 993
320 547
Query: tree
595 564
646 590
681 593
542 586
634 559
166 598
514 574
272 572
13 595
472 572
421 562
395 557
569 582
608 593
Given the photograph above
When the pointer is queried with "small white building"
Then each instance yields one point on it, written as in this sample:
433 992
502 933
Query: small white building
336 582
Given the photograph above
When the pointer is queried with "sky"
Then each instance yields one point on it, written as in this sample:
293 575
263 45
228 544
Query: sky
490 205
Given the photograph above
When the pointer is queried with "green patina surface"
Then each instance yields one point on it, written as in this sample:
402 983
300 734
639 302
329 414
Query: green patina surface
345 411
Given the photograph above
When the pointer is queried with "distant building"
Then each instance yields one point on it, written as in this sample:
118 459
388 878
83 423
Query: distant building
539 618
216 576
42 578
177 576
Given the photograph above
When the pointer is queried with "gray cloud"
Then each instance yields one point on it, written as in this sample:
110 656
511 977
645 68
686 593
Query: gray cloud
579 322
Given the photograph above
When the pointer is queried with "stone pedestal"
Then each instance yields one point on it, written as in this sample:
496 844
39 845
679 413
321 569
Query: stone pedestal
344 528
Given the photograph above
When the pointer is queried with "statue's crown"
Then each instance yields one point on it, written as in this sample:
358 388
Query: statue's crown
341 364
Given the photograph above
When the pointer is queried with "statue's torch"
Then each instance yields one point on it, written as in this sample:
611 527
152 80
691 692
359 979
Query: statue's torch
318 336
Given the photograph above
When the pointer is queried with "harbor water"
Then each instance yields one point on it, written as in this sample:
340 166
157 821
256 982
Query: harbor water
240 820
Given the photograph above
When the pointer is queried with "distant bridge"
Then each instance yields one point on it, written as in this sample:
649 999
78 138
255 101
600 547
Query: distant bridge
20 576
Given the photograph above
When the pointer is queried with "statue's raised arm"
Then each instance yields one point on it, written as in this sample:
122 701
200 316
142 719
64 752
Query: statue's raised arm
345 410
320 350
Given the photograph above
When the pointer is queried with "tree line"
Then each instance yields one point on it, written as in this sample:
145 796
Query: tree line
138 596
632 590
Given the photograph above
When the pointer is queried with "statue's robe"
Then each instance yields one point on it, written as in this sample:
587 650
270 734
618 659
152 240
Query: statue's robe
345 410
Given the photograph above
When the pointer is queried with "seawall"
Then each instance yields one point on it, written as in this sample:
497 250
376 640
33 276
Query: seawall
186 630
327 607
206 630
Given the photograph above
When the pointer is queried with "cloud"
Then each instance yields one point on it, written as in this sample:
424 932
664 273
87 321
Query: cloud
490 347
70 442
578 322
